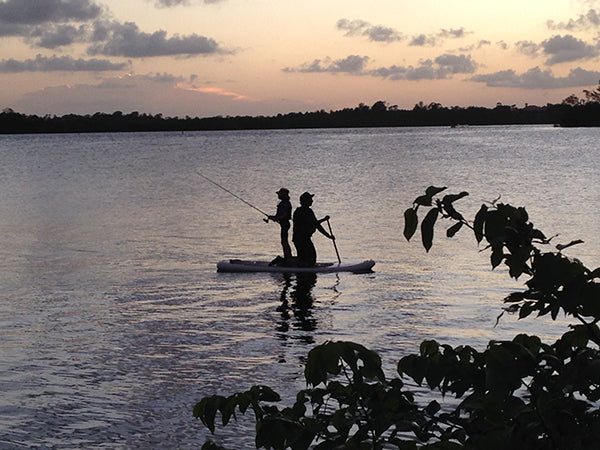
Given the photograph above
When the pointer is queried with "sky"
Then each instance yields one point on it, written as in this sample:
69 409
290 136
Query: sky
204 58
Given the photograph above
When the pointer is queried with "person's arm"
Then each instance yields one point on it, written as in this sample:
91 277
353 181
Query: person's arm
322 230
280 214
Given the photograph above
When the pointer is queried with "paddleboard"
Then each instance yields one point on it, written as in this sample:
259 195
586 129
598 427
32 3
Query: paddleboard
239 265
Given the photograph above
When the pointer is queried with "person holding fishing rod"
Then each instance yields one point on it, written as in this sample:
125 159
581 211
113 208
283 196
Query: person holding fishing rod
283 217
305 224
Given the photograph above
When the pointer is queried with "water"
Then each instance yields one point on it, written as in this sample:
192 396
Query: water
114 322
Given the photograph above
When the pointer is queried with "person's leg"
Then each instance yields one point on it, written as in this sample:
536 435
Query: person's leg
285 244
303 251
311 253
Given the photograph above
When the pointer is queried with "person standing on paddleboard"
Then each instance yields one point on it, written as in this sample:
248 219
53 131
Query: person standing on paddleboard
283 217
305 224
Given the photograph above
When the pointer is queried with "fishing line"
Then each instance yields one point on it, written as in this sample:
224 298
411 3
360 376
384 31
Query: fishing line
234 195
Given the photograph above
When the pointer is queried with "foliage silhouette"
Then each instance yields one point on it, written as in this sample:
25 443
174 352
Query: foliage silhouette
571 112
521 393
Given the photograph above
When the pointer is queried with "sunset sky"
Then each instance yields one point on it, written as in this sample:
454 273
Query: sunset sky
263 57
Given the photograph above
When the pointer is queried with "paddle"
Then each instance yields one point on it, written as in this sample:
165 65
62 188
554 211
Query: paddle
334 244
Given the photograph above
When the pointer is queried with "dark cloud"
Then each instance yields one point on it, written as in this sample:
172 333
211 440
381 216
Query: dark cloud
53 36
127 40
33 12
585 21
456 63
58 63
353 64
377 33
440 68
61 23
566 49
537 78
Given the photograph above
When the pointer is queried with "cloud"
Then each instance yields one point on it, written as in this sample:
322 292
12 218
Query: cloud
53 36
32 12
47 22
127 40
163 93
528 48
567 48
58 63
456 63
217 91
585 21
442 67
352 64
376 33
61 23
537 78
172 3
379 33
432 40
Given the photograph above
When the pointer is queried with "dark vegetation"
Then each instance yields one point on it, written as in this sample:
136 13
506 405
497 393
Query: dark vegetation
573 111
518 394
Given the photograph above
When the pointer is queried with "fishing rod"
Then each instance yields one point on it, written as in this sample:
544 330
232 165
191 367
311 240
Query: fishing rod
236 196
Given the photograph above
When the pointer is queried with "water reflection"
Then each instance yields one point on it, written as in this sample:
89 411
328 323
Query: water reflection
297 300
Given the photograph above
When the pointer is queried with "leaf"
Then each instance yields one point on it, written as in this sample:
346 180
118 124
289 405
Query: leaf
265 393
497 255
479 222
451 198
454 229
432 190
427 228
410 223
429 348
427 199
495 223
432 408
561 247
206 410
423 200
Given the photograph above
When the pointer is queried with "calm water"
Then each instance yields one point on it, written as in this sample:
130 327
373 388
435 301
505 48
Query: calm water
114 322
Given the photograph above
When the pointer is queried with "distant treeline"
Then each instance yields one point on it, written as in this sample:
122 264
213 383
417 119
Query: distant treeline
377 115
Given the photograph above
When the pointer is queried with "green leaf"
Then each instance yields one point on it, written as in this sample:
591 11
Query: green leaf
410 223
454 229
427 228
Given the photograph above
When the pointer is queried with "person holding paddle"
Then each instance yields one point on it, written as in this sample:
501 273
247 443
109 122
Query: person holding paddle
305 224
283 217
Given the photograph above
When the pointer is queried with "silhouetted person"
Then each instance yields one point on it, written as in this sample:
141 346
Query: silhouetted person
283 217
305 224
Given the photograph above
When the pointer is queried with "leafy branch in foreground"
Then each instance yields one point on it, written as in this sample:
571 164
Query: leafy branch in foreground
556 282
521 393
